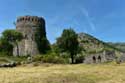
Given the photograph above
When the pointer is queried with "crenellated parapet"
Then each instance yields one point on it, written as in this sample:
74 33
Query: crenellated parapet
30 20
34 19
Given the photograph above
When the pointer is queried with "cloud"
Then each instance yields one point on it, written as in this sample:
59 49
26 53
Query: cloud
86 14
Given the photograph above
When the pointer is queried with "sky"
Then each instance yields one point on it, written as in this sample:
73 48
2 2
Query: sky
104 19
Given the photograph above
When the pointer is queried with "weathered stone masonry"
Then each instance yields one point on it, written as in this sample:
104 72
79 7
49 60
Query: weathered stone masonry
28 26
105 56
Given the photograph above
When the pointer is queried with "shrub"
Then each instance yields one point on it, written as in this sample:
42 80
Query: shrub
35 64
37 58
79 59
53 58
65 55
5 48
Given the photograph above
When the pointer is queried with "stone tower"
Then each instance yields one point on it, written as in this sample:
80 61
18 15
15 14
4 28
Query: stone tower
29 26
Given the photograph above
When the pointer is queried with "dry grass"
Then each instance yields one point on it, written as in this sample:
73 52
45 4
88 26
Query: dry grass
46 73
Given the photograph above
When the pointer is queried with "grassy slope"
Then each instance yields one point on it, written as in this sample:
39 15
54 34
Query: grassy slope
101 73
92 45
119 45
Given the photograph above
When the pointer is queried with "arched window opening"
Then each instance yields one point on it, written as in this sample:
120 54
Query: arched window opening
94 59
99 58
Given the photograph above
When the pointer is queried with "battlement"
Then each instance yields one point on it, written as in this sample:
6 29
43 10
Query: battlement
34 19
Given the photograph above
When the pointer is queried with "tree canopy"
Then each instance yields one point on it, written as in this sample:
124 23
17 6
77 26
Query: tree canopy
5 47
68 42
12 35
9 39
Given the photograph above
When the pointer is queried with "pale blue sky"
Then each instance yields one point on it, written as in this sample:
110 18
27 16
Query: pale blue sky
104 19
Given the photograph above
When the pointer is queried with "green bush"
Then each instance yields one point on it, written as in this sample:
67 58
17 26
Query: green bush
35 64
50 58
37 58
53 58
79 59
5 48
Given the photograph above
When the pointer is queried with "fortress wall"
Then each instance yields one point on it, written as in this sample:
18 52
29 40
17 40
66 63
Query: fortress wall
28 25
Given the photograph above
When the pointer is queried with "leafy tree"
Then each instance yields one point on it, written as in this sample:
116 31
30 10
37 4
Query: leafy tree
13 37
68 42
41 40
44 45
5 47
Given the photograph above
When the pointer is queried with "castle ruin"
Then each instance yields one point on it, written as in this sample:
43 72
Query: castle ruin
29 26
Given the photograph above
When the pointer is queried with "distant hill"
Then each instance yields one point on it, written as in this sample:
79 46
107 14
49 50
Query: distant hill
92 45
119 45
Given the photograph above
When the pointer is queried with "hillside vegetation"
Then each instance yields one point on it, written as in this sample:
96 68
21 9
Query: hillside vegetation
92 45
74 47
119 45
50 73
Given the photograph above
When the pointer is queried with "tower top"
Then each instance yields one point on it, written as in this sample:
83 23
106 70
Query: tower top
30 19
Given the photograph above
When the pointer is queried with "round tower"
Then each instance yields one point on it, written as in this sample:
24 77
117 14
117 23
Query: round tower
29 26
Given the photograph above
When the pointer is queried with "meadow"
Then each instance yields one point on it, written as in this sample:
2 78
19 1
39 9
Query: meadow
63 73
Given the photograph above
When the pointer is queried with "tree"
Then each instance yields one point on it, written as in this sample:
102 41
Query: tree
13 37
5 47
68 42
41 40
43 45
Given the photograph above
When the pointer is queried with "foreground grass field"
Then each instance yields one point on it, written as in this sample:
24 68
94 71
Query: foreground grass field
49 73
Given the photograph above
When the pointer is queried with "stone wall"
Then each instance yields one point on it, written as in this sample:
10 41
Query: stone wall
100 57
